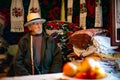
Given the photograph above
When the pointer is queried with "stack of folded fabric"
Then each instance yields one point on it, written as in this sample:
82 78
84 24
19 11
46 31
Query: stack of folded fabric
88 42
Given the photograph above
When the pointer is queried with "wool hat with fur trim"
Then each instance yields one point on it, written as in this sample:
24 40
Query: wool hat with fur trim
32 18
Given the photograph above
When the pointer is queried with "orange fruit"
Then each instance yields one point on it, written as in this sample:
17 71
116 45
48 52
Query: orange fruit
81 75
97 73
86 64
69 69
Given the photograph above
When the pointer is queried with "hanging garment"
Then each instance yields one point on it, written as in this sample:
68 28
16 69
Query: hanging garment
90 19
118 13
63 11
17 16
69 10
98 14
83 14
2 24
34 7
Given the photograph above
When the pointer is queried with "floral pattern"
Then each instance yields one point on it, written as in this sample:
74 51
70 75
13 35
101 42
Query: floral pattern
34 10
17 12
50 10
54 13
83 8
69 11
61 31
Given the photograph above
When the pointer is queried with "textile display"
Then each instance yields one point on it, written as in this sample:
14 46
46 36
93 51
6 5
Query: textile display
118 13
83 13
2 24
63 11
34 7
69 10
90 18
50 10
17 16
98 14
118 20
60 31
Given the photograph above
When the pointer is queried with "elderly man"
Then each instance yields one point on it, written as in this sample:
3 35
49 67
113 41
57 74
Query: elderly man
37 52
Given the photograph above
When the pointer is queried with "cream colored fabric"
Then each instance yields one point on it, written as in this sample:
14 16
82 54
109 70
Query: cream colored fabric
98 14
34 7
69 10
83 14
17 16
84 52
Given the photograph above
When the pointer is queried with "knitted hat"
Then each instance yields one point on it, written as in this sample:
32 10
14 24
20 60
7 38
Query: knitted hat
32 18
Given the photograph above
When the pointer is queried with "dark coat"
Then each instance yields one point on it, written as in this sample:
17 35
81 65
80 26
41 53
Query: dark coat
51 60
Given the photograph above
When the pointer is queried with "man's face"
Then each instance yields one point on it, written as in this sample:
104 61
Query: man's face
35 28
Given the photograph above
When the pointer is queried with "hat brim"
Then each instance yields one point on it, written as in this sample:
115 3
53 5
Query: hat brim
33 21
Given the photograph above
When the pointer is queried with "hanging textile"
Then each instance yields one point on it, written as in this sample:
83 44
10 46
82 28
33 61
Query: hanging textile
98 14
17 16
34 7
90 19
118 13
69 10
2 24
83 13
63 11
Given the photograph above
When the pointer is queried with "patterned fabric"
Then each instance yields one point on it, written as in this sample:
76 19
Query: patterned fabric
83 14
69 10
34 7
98 14
50 10
17 16
90 19
61 31
2 23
